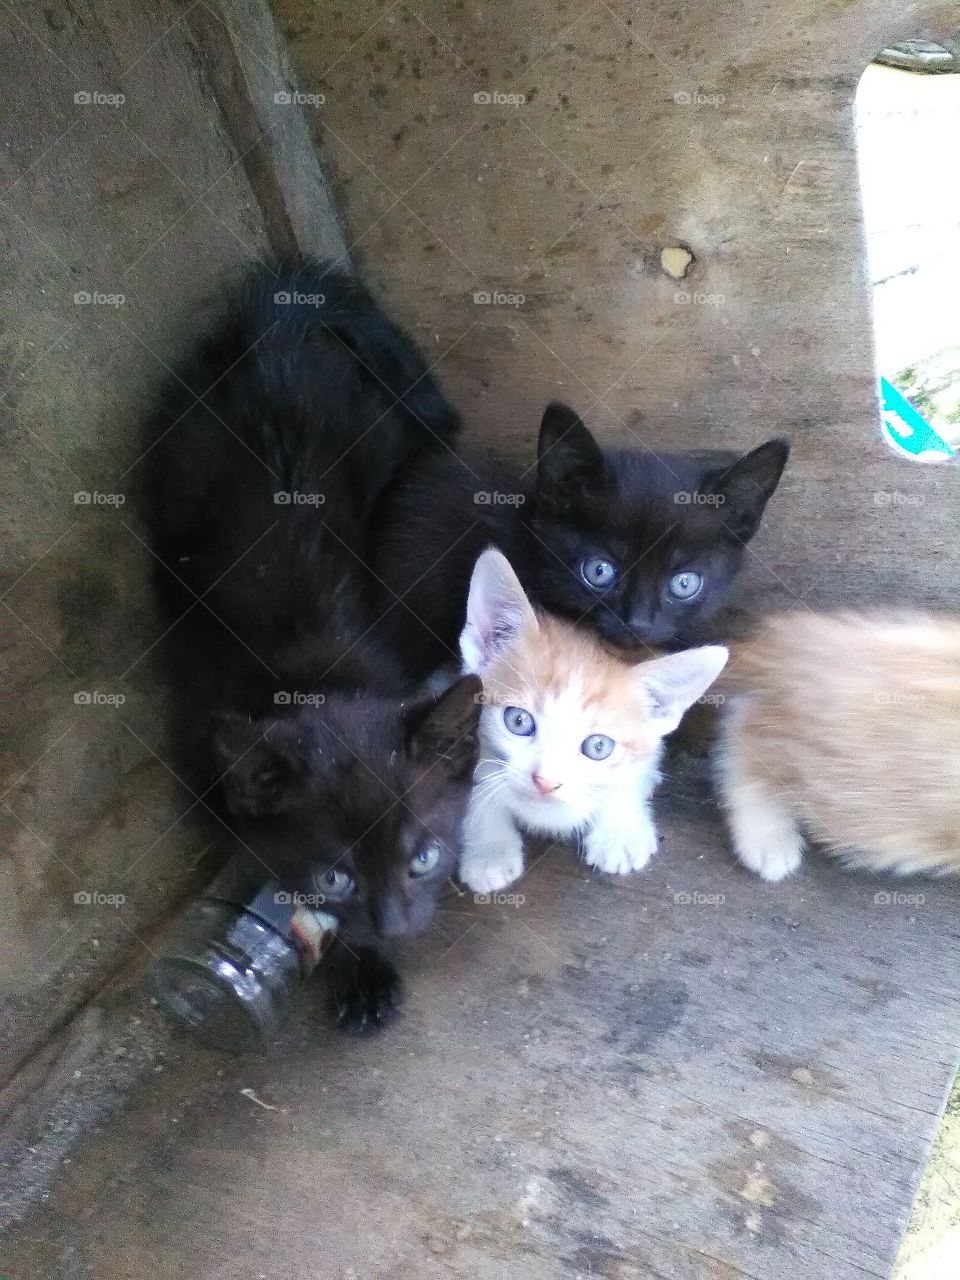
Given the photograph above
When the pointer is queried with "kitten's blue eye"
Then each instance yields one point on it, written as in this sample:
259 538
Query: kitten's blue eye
597 747
685 585
336 885
519 721
425 859
598 573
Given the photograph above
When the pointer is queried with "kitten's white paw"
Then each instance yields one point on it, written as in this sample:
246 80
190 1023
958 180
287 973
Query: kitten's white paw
490 870
772 854
765 834
620 852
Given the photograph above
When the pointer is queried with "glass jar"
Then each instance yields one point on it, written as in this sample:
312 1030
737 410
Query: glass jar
231 962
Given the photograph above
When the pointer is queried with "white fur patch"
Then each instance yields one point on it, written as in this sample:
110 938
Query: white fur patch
571 689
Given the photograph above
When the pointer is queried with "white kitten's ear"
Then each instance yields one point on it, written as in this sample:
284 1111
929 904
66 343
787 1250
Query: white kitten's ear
497 611
676 681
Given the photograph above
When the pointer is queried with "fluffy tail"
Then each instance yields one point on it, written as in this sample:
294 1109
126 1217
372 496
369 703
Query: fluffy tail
305 304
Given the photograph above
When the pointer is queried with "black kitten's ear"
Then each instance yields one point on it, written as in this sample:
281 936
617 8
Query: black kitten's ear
447 728
568 458
747 486
261 765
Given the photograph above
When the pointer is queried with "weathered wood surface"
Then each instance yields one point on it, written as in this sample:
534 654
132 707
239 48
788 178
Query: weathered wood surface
607 1080
127 211
726 129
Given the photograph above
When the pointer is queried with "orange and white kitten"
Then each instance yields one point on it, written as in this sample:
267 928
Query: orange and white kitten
846 727
570 735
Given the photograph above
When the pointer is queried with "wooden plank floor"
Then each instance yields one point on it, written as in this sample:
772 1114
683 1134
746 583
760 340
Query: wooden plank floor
688 1073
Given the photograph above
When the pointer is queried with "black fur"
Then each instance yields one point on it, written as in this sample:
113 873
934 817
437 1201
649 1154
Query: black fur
650 515
327 779
365 990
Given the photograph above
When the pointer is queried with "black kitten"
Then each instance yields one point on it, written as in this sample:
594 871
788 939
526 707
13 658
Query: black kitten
268 453
641 547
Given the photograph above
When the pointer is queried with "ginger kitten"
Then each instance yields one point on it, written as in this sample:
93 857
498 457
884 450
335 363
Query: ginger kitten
846 727
570 735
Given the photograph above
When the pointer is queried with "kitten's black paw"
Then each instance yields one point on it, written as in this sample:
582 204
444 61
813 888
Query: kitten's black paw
366 992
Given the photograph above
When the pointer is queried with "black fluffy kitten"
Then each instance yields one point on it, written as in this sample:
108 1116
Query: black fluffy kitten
642 548
269 450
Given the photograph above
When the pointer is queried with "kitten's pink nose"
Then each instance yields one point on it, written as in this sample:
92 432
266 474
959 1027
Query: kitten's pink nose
545 787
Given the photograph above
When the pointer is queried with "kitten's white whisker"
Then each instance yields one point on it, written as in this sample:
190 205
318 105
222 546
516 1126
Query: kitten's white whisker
492 785
484 775
488 774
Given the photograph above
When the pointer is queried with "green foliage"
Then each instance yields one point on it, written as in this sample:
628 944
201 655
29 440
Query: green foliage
925 391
